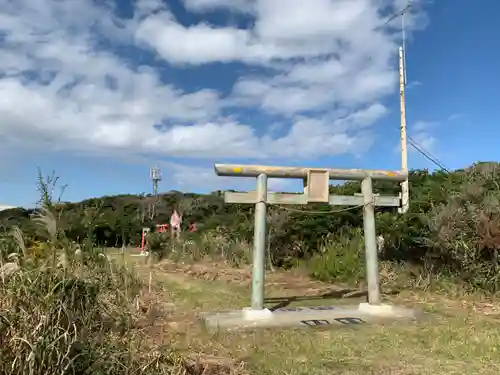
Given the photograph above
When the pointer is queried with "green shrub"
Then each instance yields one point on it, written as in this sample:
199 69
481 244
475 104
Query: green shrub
159 244
340 258
212 245
464 236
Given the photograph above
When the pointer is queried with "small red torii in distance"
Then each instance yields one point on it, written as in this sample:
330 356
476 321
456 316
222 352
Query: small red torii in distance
162 228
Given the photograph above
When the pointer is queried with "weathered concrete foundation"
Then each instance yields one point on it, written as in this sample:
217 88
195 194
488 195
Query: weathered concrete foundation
310 316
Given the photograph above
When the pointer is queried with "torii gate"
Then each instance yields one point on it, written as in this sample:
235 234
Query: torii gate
316 190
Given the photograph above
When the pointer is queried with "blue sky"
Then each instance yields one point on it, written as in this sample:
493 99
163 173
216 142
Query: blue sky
101 91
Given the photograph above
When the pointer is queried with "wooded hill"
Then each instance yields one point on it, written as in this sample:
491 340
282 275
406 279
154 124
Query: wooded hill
453 222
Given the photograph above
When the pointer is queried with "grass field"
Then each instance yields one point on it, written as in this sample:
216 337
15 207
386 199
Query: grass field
456 335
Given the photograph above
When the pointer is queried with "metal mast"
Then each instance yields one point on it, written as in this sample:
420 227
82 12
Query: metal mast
155 176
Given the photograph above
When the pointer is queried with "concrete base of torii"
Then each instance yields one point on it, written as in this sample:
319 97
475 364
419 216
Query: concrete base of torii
307 316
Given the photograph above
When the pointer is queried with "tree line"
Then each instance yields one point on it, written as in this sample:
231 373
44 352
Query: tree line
453 224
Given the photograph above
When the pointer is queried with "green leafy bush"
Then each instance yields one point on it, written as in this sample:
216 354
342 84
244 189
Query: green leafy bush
159 244
465 231
340 258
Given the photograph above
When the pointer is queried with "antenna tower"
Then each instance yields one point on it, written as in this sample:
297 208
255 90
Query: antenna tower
155 176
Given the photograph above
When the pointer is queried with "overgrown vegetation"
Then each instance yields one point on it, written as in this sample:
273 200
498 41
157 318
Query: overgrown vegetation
340 259
451 229
67 308
68 311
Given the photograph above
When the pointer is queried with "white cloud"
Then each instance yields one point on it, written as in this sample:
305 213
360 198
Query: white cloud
421 133
413 84
420 126
455 116
188 176
322 53
323 66
283 29
204 5
424 141
196 45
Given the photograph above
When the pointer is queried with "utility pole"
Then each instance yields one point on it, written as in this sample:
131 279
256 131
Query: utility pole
155 176
405 189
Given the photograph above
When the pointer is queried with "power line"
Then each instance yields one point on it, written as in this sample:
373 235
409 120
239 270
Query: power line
320 212
427 154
